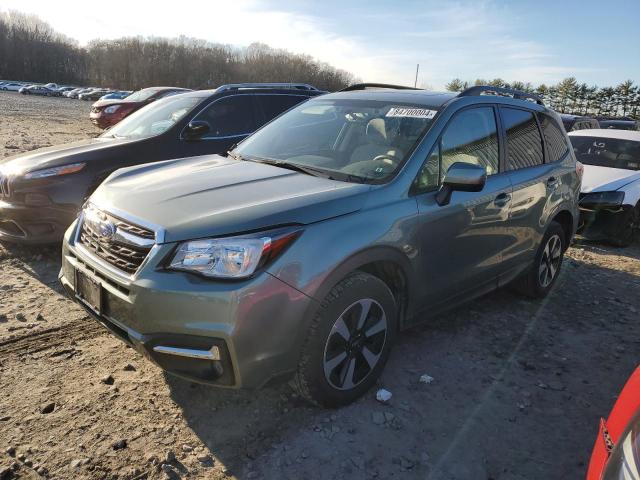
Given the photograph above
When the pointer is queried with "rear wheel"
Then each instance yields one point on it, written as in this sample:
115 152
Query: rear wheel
538 280
348 343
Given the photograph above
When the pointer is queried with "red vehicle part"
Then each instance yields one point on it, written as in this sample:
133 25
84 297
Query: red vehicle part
625 408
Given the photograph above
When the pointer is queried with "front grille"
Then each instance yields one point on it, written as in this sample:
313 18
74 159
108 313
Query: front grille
119 252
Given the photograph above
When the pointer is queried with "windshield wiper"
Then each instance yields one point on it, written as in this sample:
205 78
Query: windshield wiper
315 172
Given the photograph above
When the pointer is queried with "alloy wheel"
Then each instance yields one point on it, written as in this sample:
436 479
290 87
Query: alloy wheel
355 344
550 261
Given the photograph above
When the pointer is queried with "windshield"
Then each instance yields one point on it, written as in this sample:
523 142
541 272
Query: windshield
607 152
347 139
154 118
142 95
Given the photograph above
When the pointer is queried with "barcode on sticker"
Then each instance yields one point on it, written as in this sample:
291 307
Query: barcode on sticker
411 112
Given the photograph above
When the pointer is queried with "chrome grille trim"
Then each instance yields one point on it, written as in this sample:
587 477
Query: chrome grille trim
122 249
4 186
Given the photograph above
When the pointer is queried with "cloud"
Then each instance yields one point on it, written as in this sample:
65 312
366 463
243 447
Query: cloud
382 42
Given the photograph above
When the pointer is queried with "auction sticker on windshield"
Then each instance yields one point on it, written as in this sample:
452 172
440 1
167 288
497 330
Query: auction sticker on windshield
409 112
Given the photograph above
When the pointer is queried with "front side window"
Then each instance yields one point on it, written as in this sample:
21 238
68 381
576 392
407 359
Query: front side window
229 117
153 119
607 152
274 105
344 139
524 144
471 137
555 139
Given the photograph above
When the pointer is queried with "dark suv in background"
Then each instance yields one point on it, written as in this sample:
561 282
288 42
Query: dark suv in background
42 191
348 218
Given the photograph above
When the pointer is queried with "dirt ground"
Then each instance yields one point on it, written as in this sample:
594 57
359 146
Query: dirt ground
518 390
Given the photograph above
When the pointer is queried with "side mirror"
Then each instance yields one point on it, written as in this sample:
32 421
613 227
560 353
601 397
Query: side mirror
196 129
463 177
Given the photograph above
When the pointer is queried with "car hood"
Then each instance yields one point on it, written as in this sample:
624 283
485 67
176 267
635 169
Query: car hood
606 179
215 196
58 155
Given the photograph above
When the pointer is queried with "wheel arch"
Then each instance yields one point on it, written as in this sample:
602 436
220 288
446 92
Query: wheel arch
387 264
567 222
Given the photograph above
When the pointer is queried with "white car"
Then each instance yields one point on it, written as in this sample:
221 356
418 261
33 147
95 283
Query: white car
610 195
11 86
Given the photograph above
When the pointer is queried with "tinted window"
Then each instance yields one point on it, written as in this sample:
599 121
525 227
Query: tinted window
524 144
471 137
274 105
557 146
229 116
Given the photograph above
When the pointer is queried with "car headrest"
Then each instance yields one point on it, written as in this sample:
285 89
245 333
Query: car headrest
377 131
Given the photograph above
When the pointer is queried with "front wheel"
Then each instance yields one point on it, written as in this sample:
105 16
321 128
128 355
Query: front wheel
538 280
348 342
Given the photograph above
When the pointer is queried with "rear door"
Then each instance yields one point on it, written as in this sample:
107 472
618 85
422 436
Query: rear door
533 180
461 243
231 118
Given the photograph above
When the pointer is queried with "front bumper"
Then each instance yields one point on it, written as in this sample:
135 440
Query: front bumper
34 225
600 223
253 323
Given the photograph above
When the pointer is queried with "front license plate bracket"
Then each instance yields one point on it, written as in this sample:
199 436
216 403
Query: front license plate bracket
89 291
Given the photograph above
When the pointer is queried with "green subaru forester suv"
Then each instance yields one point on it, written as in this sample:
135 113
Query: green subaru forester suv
304 252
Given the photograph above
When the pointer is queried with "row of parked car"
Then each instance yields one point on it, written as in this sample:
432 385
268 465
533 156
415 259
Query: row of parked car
55 90
235 245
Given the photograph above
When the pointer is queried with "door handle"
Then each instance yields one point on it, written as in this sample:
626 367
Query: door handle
502 199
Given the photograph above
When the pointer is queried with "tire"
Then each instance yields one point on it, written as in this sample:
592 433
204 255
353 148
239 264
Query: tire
334 371
539 279
624 231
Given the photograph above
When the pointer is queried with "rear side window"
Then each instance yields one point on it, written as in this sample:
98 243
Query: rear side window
557 146
229 117
524 144
471 137
274 105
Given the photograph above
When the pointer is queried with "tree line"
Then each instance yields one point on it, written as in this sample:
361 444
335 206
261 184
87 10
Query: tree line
31 50
570 96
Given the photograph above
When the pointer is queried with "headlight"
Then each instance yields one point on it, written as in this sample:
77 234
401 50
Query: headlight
111 109
232 257
602 199
56 171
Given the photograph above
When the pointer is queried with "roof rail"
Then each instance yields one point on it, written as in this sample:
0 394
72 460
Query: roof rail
488 89
364 86
293 86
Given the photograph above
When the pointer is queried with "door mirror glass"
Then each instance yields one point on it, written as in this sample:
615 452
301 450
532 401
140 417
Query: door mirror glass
196 129
462 177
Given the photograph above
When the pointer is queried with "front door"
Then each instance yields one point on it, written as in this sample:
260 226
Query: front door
461 243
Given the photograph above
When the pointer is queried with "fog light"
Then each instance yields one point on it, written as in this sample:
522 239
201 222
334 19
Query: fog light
36 199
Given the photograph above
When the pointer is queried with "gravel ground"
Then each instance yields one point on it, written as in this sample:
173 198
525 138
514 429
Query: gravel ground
518 385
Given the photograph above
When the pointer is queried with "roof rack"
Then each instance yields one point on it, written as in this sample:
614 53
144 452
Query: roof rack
293 86
364 86
487 89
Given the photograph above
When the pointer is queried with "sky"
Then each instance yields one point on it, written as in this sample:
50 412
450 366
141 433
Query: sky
540 41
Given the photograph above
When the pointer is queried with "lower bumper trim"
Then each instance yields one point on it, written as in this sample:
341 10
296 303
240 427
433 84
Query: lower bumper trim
212 354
